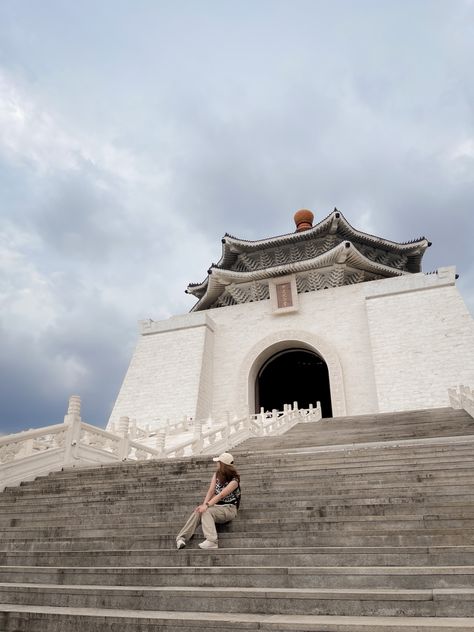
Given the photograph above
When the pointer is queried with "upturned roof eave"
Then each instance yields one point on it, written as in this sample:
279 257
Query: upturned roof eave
214 289
197 289
219 278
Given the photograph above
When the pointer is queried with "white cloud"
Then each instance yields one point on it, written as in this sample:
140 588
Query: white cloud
26 298
463 149
32 133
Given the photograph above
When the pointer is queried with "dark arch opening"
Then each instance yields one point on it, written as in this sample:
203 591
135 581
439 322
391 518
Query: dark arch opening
293 375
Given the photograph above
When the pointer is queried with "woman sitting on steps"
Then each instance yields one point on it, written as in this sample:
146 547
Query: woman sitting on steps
220 504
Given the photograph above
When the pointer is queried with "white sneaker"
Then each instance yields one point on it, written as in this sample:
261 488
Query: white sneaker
207 544
180 543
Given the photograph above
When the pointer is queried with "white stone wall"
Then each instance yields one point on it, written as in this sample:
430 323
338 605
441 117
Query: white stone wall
393 344
169 374
422 338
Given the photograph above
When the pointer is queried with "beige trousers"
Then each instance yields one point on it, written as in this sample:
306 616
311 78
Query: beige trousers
212 515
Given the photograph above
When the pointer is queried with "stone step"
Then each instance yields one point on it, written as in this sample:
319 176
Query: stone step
446 418
343 438
400 499
309 524
343 445
316 431
324 506
259 461
421 537
464 477
357 436
266 491
316 475
441 602
67 479
299 509
346 427
263 493
250 463
397 497
416 556
59 619
247 576
336 485
319 475
298 498
441 413
444 415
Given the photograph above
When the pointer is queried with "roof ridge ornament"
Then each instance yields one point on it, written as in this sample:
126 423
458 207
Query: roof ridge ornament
303 219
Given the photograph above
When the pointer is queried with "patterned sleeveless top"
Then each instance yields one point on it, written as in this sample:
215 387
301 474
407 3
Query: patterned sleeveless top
231 499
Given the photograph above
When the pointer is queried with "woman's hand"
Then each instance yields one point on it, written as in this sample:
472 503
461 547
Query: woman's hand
201 508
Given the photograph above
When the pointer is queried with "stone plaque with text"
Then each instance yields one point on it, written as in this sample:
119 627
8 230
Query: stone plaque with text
284 297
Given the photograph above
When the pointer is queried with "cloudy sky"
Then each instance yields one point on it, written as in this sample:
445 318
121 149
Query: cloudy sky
135 133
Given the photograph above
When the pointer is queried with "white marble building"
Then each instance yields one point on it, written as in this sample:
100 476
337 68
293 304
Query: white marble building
327 313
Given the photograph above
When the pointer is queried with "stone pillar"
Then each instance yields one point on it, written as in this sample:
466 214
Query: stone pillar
73 421
124 423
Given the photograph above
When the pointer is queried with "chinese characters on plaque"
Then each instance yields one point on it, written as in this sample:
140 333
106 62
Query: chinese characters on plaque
284 297
283 294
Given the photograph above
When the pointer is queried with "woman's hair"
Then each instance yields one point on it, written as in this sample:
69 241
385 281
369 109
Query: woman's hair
225 473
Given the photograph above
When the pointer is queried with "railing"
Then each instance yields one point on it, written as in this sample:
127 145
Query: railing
210 437
462 397
25 455
74 443
148 431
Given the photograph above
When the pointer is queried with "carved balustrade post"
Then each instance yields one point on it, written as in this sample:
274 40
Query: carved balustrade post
275 420
247 425
73 421
197 444
124 424
160 441
74 409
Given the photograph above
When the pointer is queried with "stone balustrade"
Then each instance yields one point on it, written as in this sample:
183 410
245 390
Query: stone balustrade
75 443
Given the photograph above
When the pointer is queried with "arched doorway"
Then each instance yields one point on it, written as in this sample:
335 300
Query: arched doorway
293 375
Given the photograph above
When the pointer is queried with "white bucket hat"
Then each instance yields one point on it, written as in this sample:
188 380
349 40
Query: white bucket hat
225 458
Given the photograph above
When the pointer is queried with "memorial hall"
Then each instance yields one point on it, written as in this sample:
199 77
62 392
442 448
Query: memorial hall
326 313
